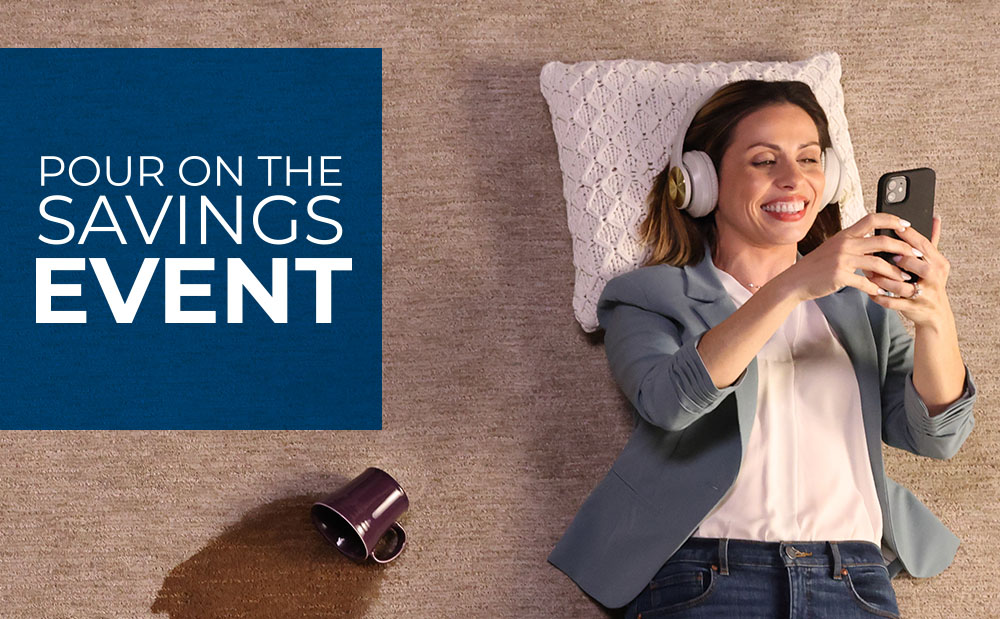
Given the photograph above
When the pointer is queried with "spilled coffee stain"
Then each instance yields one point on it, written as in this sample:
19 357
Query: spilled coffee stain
273 563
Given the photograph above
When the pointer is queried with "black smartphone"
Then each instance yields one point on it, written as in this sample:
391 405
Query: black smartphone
908 194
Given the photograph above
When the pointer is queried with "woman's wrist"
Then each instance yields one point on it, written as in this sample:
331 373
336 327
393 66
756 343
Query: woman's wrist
942 322
782 288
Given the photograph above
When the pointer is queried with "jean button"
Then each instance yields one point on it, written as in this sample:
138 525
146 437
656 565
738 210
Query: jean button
791 552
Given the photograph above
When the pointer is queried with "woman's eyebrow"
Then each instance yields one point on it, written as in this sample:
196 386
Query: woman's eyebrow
776 147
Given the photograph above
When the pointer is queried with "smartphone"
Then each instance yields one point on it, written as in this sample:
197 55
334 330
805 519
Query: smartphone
908 194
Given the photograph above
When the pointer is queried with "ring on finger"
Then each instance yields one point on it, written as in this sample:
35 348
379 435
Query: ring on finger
916 290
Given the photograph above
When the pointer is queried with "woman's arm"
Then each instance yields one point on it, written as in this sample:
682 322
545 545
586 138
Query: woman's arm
727 349
939 412
938 369
656 366
672 382
906 421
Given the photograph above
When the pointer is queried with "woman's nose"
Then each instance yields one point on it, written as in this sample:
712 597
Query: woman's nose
788 174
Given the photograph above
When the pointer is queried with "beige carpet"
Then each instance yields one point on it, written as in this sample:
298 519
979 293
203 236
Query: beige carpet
500 414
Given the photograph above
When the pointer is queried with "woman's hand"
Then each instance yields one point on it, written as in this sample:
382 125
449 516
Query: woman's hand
931 306
832 265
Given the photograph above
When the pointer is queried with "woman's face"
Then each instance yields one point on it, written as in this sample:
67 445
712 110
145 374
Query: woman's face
773 160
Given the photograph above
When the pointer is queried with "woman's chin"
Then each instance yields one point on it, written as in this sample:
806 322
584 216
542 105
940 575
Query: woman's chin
787 235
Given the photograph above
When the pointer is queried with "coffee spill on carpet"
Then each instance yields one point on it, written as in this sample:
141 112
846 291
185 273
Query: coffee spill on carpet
273 563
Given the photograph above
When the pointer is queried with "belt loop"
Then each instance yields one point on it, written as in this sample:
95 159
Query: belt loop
723 556
835 549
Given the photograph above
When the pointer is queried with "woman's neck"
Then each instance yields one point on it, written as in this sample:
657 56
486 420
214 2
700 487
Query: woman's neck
750 264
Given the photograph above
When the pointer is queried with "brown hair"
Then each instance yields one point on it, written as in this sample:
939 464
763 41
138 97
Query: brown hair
676 237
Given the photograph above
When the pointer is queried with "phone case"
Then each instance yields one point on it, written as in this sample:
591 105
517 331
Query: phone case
917 207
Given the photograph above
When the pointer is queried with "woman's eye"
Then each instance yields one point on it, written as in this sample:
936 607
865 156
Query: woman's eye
772 162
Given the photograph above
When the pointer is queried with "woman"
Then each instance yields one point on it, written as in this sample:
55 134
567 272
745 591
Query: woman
764 380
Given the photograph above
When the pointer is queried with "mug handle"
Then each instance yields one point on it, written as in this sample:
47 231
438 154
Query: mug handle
400 542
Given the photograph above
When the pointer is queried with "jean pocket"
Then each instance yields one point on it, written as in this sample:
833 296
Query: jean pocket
872 590
677 586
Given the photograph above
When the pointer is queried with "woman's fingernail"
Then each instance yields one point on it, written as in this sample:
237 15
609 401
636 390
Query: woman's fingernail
906 276
883 292
917 252
897 258
903 223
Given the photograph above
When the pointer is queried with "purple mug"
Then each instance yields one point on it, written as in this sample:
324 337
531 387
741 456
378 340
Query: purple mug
355 517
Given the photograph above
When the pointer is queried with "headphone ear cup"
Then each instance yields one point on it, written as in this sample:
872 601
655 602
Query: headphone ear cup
834 172
704 183
678 187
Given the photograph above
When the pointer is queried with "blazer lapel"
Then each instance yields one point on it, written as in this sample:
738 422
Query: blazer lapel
702 284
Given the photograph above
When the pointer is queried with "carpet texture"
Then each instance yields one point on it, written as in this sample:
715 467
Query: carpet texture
500 414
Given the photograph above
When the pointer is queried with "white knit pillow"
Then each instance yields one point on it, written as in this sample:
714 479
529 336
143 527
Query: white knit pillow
614 122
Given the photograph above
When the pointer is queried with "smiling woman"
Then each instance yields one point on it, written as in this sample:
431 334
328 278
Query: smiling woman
677 239
753 480
769 192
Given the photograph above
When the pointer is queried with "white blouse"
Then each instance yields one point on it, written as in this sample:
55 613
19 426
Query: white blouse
805 475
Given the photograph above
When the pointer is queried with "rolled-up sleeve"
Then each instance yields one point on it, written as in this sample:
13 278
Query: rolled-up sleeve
663 376
954 420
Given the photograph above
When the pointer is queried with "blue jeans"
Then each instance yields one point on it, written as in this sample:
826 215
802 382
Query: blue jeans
743 579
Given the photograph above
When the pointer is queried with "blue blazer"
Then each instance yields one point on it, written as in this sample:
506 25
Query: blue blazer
688 442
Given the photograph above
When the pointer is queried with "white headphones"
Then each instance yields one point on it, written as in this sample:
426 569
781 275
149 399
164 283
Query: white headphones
692 184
